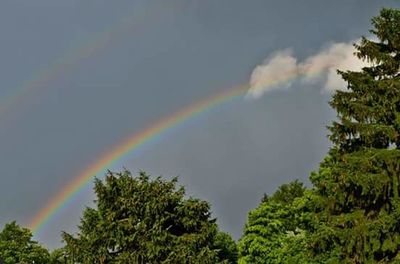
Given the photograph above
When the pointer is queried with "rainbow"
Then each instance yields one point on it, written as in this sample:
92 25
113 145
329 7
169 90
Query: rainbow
133 143
125 147
69 59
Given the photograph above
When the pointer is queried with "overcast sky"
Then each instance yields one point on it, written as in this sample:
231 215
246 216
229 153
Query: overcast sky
95 72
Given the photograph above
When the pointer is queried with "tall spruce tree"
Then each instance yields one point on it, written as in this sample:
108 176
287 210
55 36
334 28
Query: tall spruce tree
358 205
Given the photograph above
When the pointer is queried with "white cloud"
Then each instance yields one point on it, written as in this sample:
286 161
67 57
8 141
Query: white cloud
280 69
267 76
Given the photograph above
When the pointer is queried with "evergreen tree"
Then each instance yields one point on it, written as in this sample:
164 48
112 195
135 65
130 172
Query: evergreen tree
138 220
357 186
17 246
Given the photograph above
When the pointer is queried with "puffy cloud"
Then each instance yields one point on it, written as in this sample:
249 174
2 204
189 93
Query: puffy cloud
270 74
281 68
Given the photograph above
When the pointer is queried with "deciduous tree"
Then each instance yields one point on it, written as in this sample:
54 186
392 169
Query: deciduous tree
274 230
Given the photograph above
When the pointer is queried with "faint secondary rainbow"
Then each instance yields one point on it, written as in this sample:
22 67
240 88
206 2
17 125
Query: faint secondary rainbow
69 59
133 143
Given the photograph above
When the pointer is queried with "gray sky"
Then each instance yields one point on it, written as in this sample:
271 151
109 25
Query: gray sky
144 60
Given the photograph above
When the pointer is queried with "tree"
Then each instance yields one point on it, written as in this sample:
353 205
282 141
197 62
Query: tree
16 245
139 220
357 186
58 256
226 247
273 232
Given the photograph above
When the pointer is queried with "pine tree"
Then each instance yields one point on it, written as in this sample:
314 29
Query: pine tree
358 206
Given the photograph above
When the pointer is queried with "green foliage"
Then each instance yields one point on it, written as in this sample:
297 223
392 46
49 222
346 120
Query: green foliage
226 247
138 220
17 246
273 232
287 193
357 186
58 256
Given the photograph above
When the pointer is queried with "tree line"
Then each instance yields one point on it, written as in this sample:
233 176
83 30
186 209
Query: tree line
350 214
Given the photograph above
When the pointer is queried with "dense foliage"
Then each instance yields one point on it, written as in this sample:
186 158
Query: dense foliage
273 232
138 220
17 246
358 183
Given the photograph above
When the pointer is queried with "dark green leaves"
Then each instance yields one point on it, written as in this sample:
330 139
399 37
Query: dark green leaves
140 220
